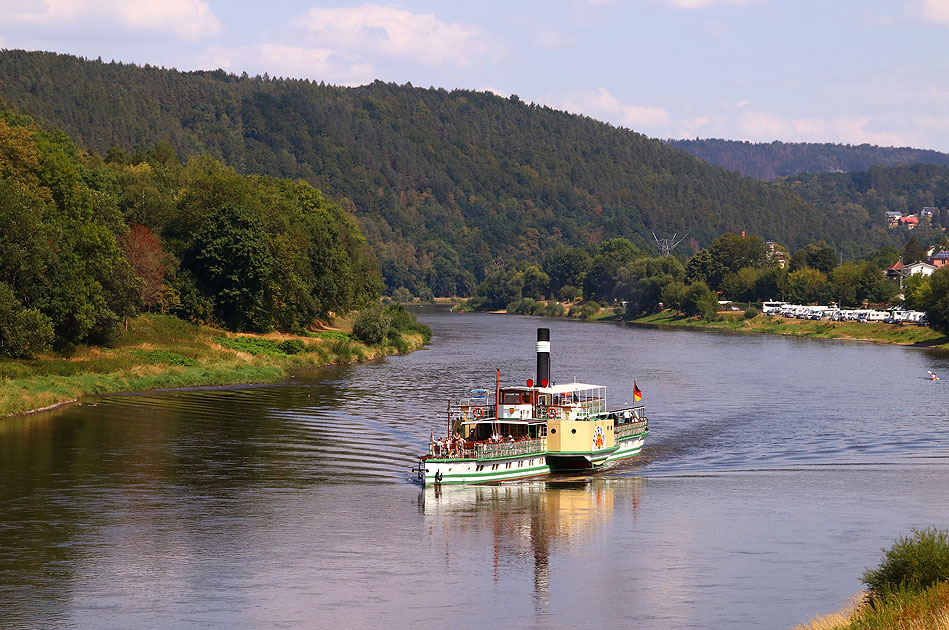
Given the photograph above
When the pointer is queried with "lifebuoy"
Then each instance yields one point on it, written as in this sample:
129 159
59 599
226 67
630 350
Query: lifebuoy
478 412
551 412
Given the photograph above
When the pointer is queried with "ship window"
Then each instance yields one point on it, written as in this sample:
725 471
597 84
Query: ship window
573 430
553 430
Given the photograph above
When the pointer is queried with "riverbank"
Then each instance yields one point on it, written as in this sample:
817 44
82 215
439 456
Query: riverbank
906 609
160 351
906 335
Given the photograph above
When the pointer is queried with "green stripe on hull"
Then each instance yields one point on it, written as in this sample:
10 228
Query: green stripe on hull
488 476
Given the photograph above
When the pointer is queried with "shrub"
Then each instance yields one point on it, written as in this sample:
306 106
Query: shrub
524 306
589 310
399 343
916 561
343 350
554 309
751 312
574 311
371 325
292 346
23 331
402 321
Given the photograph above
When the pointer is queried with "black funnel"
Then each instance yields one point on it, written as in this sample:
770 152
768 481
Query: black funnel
543 357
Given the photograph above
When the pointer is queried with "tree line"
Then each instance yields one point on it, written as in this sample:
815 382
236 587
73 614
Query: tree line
88 241
733 267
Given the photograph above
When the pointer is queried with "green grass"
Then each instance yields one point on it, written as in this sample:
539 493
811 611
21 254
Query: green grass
160 351
251 345
336 335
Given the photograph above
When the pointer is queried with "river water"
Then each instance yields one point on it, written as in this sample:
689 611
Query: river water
775 472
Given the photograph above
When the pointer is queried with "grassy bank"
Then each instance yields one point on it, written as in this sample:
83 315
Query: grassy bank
162 351
869 331
904 609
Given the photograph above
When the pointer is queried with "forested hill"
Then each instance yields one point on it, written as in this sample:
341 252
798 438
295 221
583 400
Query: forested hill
444 183
772 160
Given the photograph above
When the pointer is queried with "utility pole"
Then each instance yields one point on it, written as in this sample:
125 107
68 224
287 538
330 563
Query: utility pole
666 245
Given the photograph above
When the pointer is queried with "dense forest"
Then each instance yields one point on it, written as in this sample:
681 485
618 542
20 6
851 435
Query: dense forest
771 160
86 242
446 185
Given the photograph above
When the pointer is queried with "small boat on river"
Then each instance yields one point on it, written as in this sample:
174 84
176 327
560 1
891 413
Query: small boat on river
533 430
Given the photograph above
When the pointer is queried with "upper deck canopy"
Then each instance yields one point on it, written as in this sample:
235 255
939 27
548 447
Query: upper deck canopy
557 389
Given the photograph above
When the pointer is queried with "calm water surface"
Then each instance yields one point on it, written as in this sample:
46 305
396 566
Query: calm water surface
775 472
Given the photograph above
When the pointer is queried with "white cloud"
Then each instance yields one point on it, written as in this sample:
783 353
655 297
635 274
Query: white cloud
552 39
764 127
701 4
934 10
373 30
604 106
188 19
291 61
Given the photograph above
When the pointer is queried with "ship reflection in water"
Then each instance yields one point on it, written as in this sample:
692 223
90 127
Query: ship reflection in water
531 522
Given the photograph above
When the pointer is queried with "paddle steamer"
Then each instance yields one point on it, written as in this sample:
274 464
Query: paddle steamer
529 431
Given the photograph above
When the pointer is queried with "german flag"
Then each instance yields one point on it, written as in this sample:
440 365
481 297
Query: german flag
637 395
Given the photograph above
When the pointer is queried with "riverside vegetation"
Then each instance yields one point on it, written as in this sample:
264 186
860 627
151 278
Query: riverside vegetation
126 274
159 351
909 590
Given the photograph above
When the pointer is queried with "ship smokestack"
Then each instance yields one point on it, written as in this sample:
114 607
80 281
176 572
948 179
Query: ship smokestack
543 357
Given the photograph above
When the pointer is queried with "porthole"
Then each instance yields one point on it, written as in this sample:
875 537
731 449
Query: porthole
552 431
573 430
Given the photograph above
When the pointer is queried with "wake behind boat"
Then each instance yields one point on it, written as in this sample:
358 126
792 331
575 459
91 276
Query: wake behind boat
532 430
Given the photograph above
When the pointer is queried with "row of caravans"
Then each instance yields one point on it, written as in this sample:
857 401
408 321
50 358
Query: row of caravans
833 313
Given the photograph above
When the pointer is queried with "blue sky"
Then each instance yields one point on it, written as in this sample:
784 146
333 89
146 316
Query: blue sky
848 71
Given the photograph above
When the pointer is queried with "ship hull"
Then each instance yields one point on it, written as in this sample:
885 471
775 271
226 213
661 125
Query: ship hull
473 471
625 449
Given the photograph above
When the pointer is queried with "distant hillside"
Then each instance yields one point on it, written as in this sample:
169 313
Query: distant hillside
444 183
869 194
770 161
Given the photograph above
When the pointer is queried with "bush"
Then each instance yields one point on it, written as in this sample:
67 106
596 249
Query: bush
371 325
751 312
590 309
399 343
524 306
23 331
574 311
554 309
292 346
402 321
916 561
